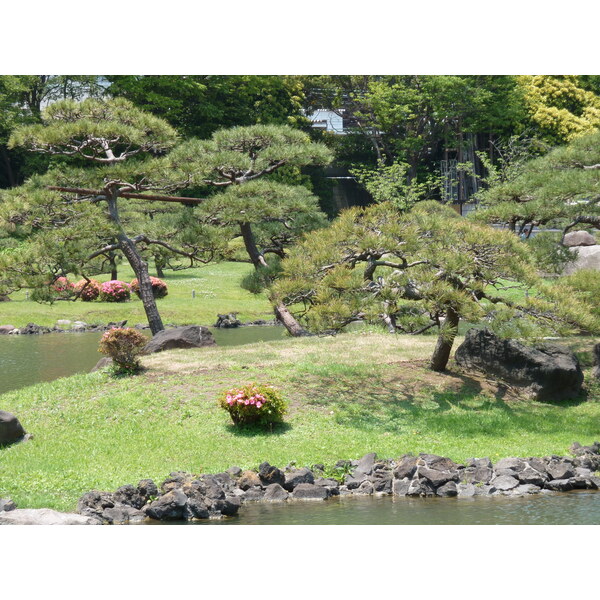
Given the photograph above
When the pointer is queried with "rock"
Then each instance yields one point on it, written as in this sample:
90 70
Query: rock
7 504
352 482
514 464
63 324
176 480
545 373
438 463
579 238
327 482
79 326
44 516
248 479
420 487
269 474
309 491
234 471
476 475
406 467
365 488
228 506
192 336
107 361
532 477
297 476
116 324
596 367
526 488
559 485
275 493
465 490
400 486
11 430
6 329
505 483
33 329
577 449
365 464
382 481
448 489
196 508
170 506
227 321
122 514
560 469
588 257
253 494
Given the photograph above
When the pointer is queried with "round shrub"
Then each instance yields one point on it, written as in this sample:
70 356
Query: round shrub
114 291
123 345
159 287
88 292
254 404
63 287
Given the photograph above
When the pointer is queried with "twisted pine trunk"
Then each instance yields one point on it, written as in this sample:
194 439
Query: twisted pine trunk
258 260
139 266
445 340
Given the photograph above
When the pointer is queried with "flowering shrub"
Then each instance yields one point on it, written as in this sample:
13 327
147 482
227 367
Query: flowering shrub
254 403
63 287
88 292
159 287
114 291
123 345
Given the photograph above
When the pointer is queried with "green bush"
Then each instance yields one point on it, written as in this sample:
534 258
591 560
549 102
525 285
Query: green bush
253 403
549 254
586 284
123 345
260 279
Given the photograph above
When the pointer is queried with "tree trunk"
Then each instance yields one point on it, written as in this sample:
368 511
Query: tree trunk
159 264
445 340
258 260
139 266
10 176
113 266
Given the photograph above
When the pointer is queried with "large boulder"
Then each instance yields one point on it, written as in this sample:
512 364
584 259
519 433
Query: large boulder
191 336
546 372
6 329
11 430
44 516
579 238
596 369
588 257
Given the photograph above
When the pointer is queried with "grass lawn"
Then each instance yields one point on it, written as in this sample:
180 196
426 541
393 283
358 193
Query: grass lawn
358 392
217 290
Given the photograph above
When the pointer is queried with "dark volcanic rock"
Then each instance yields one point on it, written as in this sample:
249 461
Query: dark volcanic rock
505 483
269 474
192 336
227 321
248 479
596 368
275 493
448 489
6 504
382 481
170 506
366 463
560 469
406 467
297 476
107 361
547 372
11 430
559 485
309 491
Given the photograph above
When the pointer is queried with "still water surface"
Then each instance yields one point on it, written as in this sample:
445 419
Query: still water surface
570 508
29 359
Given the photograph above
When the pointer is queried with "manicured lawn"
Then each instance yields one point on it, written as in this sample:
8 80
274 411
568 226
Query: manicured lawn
355 393
217 290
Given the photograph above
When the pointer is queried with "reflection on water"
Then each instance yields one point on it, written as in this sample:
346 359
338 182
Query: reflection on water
571 508
29 359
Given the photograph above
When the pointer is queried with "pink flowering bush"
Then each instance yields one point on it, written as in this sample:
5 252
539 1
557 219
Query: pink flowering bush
63 287
114 291
159 287
254 404
88 292
123 345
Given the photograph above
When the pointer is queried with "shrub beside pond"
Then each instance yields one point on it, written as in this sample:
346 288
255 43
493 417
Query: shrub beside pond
123 345
88 290
159 287
114 291
254 404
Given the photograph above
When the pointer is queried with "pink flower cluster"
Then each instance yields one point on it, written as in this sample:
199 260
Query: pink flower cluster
115 291
62 284
239 397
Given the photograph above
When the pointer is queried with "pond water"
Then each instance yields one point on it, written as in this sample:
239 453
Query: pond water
570 508
29 359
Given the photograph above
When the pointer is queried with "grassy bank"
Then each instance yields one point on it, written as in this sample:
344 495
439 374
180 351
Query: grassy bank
356 393
217 290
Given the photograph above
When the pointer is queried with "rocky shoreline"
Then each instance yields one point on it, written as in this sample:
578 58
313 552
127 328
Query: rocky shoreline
67 326
186 497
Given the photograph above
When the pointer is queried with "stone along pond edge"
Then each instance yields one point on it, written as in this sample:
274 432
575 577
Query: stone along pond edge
186 497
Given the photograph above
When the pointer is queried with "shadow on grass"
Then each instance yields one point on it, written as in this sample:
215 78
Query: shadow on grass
258 431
